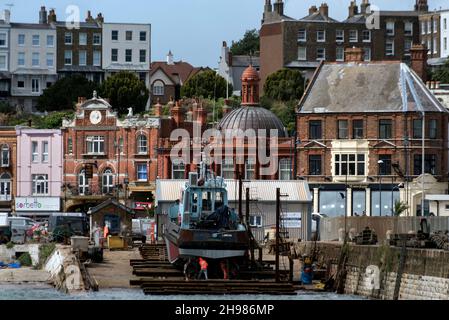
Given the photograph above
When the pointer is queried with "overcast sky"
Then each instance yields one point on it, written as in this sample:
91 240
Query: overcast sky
192 29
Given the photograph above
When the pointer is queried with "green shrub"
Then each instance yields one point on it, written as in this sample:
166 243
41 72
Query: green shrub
45 251
9 245
25 260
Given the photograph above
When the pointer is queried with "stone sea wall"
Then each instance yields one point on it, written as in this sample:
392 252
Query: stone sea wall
372 271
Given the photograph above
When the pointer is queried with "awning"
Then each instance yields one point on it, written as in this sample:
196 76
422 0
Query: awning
34 214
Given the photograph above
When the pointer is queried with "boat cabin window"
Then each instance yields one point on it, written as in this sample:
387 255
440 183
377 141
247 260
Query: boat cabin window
219 200
194 211
207 201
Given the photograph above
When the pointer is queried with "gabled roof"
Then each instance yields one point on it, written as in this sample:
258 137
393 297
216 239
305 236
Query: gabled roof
113 202
178 72
317 17
367 87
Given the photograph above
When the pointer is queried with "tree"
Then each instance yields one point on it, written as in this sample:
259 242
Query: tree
285 85
125 90
64 93
442 73
206 84
399 208
249 45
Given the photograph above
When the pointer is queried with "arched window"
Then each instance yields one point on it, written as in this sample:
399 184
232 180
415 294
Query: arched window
107 181
142 144
5 187
83 183
40 184
5 156
158 88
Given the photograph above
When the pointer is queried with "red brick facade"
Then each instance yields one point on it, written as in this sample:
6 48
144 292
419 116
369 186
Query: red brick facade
135 137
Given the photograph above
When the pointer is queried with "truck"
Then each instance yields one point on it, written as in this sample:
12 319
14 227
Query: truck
5 228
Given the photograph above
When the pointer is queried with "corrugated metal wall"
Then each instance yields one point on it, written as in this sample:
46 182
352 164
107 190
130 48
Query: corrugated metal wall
329 227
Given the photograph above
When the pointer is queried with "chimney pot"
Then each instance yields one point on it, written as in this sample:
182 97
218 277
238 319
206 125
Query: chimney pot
324 9
312 10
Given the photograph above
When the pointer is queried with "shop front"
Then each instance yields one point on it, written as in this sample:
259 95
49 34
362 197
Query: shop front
36 207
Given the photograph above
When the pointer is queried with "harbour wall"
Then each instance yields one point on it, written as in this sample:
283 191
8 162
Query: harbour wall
376 271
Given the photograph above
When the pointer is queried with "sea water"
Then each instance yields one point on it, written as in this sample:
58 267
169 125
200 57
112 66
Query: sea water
44 292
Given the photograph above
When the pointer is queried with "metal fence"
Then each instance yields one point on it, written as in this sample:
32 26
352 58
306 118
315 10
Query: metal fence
330 227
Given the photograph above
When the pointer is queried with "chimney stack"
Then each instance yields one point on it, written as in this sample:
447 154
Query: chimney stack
52 16
89 17
200 114
176 112
158 108
268 6
7 16
100 18
354 55
313 9
279 7
324 10
43 16
421 6
364 6
419 60
353 9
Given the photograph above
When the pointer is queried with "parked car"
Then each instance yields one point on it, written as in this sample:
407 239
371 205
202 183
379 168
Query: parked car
5 228
21 229
74 223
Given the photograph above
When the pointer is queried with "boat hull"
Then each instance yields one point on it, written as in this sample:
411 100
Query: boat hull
211 244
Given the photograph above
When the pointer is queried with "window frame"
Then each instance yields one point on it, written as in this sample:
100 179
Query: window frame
178 169
339 129
114 32
303 39
356 134
45 152
315 164
227 166
285 169
82 53
303 50
82 35
68 38
353 36
95 145
96 62
5 156
340 36
66 59
40 182
142 144
108 187
143 53
129 54
321 38
34 152
96 36
35 43
112 55
158 90
364 32
145 36
390 32
315 129
388 125
317 54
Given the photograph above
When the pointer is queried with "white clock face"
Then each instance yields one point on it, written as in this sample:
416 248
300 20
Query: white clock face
95 117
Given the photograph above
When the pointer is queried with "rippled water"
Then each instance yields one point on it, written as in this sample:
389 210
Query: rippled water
43 292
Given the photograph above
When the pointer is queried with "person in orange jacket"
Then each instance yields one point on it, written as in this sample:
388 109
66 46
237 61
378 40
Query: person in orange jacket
203 267
105 231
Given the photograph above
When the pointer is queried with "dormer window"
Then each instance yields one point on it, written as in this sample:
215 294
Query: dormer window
5 156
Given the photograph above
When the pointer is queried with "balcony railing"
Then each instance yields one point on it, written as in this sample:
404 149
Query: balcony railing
4 197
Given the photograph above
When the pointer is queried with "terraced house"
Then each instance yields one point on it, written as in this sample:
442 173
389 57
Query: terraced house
371 134
33 62
303 43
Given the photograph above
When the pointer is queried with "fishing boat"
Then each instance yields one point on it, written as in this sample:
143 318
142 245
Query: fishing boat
205 226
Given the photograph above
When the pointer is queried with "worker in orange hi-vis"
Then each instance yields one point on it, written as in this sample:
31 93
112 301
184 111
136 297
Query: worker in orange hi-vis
224 269
105 231
203 266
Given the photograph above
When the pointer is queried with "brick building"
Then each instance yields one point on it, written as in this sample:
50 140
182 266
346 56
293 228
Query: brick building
167 78
360 139
237 158
303 43
79 50
8 163
118 154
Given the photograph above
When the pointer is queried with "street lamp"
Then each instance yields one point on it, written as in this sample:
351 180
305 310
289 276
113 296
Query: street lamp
380 162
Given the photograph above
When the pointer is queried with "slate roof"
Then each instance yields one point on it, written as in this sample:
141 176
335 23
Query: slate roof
179 72
317 17
367 87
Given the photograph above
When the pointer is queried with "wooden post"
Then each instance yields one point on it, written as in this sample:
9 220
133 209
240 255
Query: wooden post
291 265
248 225
240 198
278 217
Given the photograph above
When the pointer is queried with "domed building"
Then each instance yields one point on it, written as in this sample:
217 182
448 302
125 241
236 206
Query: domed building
251 115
